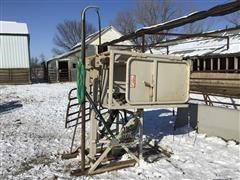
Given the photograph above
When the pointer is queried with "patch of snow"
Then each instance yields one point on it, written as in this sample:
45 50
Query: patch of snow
200 46
161 24
33 137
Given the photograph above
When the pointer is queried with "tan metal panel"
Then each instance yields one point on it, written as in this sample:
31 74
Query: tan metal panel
14 51
173 81
140 72
137 80
157 81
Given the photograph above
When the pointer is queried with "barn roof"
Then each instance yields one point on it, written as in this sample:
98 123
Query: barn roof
204 46
89 39
10 27
93 36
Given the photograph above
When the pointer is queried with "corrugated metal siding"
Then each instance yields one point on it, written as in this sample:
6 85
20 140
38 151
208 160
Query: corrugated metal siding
14 51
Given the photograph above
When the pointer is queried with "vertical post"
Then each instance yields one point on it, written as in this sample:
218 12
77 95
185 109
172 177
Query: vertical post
218 64
83 56
143 43
235 64
211 64
140 113
227 42
204 64
117 122
69 71
83 36
198 65
93 120
57 71
93 135
227 63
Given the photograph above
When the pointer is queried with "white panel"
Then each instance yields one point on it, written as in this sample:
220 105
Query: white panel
14 51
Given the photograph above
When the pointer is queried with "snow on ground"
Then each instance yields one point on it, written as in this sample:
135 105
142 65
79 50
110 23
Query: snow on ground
33 137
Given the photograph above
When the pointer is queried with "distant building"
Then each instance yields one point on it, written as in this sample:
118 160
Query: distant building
63 67
215 60
14 53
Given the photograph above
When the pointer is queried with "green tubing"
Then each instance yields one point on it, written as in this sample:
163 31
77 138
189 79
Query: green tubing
81 89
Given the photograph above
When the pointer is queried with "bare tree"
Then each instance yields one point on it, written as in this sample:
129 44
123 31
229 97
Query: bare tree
234 18
125 22
151 12
69 34
146 13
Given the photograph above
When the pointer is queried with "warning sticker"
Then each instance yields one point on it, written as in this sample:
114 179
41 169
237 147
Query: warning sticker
132 81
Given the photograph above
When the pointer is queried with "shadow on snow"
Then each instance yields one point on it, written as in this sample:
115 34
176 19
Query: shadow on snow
159 123
8 106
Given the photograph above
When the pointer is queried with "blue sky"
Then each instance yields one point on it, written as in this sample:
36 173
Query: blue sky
42 16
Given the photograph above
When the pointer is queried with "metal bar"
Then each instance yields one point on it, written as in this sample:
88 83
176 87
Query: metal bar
75 129
172 41
228 42
70 92
216 102
66 118
222 70
83 53
99 26
143 43
99 115
138 46
75 104
191 35
76 123
233 102
167 49
83 126
211 94
141 134
73 98
72 113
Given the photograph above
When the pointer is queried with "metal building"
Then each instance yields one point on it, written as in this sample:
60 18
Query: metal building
14 53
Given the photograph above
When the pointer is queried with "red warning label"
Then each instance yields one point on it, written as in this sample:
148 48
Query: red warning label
132 81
